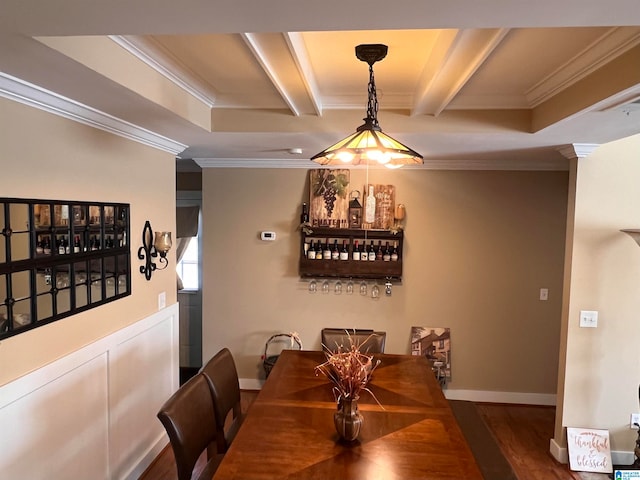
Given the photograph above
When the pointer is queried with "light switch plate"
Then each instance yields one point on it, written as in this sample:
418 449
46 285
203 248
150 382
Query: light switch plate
162 300
588 318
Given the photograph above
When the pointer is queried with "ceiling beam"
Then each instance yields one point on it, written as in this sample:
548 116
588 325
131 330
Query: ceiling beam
274 55
301 58
454 60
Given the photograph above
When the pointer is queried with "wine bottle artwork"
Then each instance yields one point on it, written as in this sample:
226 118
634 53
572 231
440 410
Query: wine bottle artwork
370 207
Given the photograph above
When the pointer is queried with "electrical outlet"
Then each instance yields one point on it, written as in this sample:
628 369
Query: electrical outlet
635 421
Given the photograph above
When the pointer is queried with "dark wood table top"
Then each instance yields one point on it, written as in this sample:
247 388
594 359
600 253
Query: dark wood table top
289 431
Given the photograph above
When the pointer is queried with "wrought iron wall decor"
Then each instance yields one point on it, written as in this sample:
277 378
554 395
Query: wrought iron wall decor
59 258
160 246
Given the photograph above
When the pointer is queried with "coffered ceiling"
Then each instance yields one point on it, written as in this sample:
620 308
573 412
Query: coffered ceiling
467 84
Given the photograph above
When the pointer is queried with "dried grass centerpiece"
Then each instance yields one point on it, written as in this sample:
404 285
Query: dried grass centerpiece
350 371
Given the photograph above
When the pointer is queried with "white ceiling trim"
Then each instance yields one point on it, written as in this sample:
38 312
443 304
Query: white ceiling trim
577 150
510 164
298 49
490 102
28 94
253 42
626 101
156 57
612 44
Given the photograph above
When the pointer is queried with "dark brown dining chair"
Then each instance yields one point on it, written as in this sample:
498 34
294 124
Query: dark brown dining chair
222 377
369 341
188 417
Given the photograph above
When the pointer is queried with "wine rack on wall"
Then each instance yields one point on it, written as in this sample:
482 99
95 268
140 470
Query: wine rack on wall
58 258
350 268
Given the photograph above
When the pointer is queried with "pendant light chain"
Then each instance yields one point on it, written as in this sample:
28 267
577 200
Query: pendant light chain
369 145
372 103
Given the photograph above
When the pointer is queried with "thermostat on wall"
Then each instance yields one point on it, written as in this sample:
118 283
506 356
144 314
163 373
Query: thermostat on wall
270 236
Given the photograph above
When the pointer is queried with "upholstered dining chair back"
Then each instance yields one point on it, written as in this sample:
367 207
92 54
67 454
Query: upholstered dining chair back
369 341
222 376
188 417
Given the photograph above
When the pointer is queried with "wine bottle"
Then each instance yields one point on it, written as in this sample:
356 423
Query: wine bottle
372 252
61 247
364 256
76 244
67 245
344 253
370 207
379 253
386 256
46 246
39 246
335 253
356 251
326 252
319 250
394 252
304 217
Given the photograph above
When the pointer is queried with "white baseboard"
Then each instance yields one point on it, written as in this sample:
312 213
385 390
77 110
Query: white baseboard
619 457
147 459
250 384
501 397
558 452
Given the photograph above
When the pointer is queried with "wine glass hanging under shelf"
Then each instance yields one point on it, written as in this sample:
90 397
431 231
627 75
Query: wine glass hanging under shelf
349 287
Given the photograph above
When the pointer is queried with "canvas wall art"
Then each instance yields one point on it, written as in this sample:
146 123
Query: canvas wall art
329 200
434 343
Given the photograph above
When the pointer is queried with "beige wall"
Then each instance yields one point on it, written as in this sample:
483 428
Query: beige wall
49 157
601 365
478 247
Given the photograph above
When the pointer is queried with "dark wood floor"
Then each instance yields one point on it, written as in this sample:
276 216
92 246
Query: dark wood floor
522 431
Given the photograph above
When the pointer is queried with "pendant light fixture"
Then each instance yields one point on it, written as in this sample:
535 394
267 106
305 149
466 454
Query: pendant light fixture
369 145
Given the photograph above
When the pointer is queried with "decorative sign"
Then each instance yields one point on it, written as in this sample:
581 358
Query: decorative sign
384 205
589 450
329 204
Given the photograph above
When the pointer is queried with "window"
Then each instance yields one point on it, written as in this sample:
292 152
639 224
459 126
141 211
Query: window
188 267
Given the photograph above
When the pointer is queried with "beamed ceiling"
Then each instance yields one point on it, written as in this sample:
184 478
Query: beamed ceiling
467 84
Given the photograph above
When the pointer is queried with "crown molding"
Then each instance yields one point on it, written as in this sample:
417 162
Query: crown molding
28 94
577 150
155 56
612 44
511 164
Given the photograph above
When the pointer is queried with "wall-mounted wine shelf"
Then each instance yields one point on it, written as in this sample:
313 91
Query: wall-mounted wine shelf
345 240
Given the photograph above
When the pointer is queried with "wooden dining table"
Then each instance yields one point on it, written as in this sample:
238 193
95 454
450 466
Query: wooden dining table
288 433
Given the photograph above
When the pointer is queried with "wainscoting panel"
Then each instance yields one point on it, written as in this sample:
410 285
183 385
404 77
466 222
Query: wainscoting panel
60 429
139 383
92 413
